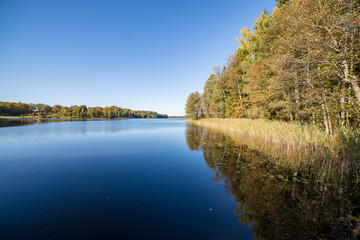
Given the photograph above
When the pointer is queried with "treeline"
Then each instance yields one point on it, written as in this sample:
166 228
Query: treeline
299 63
44 110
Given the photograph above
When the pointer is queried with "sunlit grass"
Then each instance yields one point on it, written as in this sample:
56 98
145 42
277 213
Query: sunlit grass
301 148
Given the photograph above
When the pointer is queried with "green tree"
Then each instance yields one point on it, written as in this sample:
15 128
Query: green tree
193 105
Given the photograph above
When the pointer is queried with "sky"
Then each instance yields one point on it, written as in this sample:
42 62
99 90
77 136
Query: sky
137 54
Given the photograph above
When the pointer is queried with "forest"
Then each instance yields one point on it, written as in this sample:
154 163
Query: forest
82 111
300 63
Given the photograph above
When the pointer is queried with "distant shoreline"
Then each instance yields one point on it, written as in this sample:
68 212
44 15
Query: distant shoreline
74 119
60 118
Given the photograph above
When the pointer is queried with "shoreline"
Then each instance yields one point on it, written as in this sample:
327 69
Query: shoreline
302 149
47 118
67 118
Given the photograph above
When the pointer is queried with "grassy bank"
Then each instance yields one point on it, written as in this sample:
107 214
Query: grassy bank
304 149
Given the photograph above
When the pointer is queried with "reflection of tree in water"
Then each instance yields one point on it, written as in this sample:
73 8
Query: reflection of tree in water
274 203
14 123
22 122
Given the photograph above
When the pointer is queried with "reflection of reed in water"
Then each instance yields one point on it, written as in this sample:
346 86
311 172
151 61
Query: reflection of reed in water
274 202
304 148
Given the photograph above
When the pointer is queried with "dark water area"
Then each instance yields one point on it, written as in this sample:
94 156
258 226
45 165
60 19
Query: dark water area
153 179
15 122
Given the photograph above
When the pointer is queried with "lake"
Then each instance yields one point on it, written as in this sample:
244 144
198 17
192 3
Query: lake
149 179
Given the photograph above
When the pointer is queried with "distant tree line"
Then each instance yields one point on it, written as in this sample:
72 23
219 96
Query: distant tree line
82 111
300 63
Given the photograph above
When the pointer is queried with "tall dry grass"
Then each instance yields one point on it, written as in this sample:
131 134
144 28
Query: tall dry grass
301 148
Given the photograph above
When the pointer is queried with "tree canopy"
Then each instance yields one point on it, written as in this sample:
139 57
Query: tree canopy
74 111
299 63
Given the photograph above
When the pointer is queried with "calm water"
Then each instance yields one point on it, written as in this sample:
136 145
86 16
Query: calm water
151 179
126 179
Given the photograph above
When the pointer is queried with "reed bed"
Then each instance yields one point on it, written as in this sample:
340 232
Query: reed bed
304 149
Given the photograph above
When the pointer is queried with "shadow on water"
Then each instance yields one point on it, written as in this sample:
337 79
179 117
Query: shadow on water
275 204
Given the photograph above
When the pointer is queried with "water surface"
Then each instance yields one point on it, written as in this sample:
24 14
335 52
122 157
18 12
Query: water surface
156 179
125 179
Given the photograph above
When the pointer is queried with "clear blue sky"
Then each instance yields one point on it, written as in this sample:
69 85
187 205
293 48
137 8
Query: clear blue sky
138 54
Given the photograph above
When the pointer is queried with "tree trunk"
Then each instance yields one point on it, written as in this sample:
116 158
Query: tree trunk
352 81
329 118
356 89
325 120
313 117
297 99
239 92
342 104
238 88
